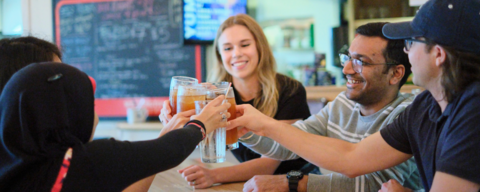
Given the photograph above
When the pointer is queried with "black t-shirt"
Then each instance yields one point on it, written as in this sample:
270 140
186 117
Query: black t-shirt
448 142
110 165
292 104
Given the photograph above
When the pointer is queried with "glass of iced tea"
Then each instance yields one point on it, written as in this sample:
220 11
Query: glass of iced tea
187 95
212 148
176 81
221 85
232 135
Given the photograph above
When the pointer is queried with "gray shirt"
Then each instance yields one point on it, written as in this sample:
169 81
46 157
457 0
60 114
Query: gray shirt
341 119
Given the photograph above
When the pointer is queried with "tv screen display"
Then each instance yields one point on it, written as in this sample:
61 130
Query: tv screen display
201 18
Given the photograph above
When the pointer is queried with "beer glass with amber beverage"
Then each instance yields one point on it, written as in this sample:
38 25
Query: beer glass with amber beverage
232 135
187 95
176 81
221 85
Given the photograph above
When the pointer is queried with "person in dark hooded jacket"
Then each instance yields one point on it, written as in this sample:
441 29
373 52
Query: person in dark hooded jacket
47 120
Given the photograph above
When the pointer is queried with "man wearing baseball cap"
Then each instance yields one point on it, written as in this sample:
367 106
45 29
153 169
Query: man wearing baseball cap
441 128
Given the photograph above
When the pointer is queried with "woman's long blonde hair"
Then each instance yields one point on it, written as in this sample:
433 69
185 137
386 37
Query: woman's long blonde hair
267 99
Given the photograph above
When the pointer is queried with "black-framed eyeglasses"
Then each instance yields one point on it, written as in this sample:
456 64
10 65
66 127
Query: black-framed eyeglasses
409 43
357 64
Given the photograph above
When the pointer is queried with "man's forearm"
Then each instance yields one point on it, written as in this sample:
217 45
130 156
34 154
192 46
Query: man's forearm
321 151
268 147
372 154
290 143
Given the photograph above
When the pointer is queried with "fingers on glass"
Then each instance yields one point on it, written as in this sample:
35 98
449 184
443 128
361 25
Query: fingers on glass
224 117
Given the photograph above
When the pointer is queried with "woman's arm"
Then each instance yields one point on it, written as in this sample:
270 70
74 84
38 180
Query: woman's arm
115 165
118 164
204 177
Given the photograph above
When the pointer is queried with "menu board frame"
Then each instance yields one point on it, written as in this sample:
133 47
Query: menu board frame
115 108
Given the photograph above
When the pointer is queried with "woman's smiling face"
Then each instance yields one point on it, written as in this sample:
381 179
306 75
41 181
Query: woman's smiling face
238 50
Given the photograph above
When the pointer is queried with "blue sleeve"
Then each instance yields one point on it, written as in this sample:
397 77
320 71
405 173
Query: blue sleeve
396 133
460 153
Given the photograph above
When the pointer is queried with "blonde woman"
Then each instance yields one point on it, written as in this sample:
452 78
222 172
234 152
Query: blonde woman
245 59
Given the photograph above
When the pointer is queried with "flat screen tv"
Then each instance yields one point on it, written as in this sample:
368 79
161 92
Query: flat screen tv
201 18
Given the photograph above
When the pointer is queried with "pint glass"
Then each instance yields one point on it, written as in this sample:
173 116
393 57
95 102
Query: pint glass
212 148
175 82
232 135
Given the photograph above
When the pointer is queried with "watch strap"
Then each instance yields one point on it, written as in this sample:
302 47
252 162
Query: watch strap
293 184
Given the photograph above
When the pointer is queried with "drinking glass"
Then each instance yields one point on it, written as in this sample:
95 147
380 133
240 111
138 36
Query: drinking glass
221 85
187 95
212 148
232 135
176 81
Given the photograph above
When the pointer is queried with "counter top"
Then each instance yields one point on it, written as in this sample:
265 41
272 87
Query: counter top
140 126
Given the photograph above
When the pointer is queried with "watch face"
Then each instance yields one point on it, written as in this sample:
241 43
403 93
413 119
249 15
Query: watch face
294 173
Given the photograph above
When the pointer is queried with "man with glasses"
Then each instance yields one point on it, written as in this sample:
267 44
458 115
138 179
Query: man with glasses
376 68
441 128
357 63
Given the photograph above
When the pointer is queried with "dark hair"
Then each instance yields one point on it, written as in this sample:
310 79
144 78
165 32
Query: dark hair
16 53
458 71
393 53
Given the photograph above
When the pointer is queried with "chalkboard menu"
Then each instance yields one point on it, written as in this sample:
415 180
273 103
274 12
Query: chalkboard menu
131 47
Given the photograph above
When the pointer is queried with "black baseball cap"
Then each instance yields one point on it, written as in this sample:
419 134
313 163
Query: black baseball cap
453 23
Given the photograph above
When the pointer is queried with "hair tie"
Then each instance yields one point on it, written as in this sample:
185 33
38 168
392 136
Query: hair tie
199 124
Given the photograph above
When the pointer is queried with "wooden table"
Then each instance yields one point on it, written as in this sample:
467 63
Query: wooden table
172 181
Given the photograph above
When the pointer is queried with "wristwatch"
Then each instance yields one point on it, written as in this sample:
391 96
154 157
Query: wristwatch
293 177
